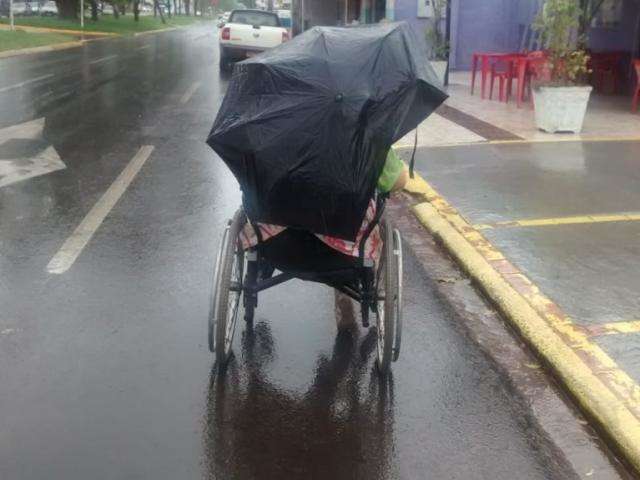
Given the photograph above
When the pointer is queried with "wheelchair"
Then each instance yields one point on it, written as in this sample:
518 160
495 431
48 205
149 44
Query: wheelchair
242 274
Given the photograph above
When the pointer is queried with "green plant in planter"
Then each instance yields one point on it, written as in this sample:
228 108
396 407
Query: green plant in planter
438 45
558 25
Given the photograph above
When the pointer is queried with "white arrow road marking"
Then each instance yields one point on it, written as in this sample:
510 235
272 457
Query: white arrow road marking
73 246
14 170
189 93
26 82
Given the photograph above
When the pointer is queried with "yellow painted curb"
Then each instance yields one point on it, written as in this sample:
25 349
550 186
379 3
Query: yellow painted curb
609 397
43 48
609 413
27 28
525 141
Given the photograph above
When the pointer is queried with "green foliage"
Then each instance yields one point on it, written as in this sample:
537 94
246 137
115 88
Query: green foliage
227 5
124 26
558 25
18 39
438 45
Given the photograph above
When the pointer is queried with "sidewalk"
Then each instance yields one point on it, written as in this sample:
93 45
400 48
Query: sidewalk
474 120
550 229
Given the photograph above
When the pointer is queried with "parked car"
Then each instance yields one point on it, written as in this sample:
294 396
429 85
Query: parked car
223 19
22 9
249 32
48 9
106 9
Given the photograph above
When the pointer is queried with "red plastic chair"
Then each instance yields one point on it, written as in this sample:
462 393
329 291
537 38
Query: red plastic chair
605 66
636 96
533 66
502 69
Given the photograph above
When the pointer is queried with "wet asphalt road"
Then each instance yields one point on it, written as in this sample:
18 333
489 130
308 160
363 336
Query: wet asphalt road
105 372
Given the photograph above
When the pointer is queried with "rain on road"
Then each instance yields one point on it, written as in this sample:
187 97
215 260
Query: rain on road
105 371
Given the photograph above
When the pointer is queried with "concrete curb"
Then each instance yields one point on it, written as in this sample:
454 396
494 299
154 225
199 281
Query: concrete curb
150 32
608 413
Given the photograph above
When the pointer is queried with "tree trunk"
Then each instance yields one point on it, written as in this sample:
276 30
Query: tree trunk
67 8
187 7
157 7
94 10
136 10
168 4
175 7
116 13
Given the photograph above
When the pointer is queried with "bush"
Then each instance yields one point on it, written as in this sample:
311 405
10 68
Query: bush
558 25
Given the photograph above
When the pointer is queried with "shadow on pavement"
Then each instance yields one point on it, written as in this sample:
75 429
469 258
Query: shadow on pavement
341 427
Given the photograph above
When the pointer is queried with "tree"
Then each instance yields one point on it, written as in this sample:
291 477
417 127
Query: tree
94 9
158 8
589 9
68 8
136 10
557 24
438 45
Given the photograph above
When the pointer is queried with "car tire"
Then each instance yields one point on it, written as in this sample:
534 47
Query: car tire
225 61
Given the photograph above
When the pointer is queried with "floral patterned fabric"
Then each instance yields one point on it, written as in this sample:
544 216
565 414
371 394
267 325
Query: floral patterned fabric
373 245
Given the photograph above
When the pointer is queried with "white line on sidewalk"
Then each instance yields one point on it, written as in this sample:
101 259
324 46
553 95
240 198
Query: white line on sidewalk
189 93
73 246
103 59
26 82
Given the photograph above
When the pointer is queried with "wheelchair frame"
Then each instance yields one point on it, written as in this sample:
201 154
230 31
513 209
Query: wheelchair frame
383 296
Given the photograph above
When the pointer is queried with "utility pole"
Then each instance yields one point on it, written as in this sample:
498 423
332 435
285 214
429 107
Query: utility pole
11 14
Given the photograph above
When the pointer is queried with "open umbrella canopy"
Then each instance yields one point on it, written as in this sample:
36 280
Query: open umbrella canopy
306 127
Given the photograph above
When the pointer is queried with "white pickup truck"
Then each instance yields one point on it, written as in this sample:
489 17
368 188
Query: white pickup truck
247 33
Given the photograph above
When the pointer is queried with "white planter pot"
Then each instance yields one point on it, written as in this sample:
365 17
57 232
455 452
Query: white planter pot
440 66
561 109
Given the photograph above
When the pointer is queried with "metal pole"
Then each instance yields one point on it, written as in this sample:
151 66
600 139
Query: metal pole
82 14
11 14
447 39
302 16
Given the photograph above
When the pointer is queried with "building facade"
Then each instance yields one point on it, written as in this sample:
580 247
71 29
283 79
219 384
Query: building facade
477 25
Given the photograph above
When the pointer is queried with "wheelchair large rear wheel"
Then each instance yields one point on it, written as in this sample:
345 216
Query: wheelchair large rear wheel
227 290
388 298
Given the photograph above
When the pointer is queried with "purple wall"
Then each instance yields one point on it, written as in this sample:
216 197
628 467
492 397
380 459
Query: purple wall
489 25
478 25
408 10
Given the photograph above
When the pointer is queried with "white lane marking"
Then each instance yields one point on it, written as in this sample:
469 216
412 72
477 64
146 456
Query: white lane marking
73 246
103 59
189 93
26 82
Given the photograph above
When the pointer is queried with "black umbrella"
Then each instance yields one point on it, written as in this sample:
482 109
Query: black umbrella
306 127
